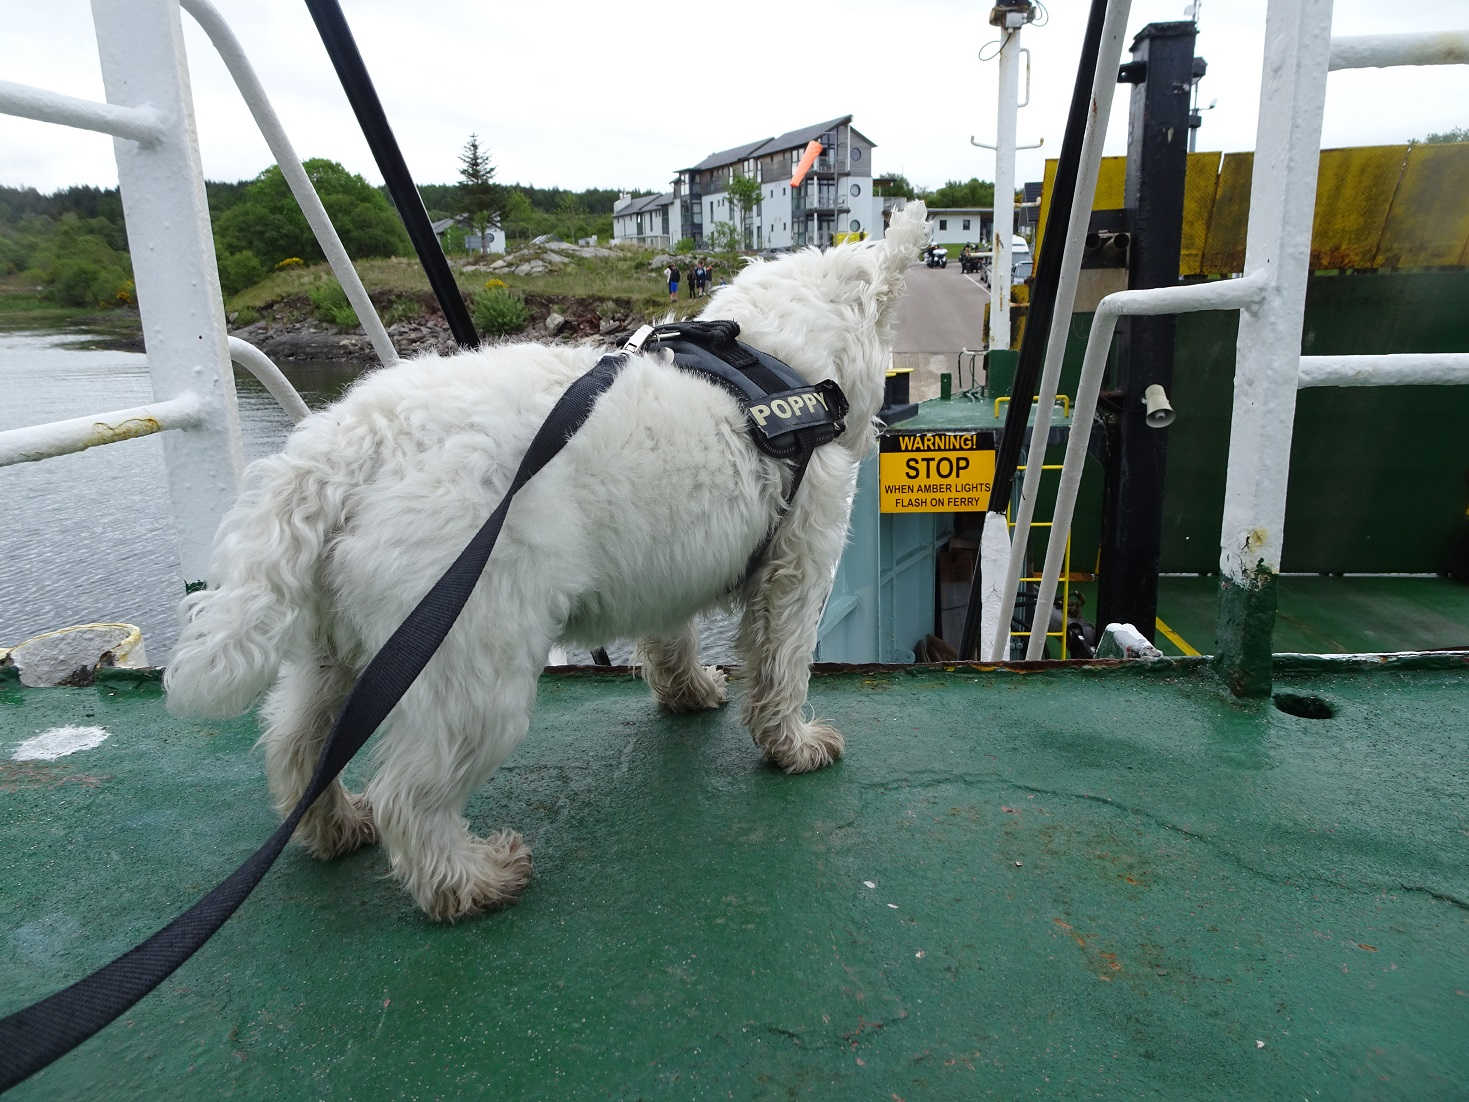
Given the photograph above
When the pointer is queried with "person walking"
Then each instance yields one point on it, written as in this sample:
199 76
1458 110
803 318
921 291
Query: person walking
671 274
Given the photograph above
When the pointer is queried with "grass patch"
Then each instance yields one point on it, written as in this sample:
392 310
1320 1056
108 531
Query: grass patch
22 306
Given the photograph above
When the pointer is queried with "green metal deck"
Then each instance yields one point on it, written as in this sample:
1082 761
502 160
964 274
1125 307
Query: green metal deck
1096 882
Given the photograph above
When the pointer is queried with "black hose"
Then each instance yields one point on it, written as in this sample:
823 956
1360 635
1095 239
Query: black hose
336 36
1042 306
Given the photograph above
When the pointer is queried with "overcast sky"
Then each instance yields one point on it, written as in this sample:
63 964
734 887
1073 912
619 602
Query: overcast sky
575 94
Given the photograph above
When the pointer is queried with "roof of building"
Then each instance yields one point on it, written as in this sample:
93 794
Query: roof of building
789 140
646 202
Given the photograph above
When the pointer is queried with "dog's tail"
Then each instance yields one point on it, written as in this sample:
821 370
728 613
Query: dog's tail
261 572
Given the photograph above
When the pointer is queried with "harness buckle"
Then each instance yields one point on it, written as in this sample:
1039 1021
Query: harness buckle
638 339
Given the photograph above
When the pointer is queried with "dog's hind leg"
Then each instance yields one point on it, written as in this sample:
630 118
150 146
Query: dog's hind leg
469 708
299 713
671 668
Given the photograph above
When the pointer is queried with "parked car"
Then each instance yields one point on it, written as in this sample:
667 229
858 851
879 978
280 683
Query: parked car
936 256
1021 260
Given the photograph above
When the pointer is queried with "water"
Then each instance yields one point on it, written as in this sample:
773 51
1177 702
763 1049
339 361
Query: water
89 537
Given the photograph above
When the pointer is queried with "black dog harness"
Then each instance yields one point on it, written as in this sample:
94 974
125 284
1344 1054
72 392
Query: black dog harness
787 419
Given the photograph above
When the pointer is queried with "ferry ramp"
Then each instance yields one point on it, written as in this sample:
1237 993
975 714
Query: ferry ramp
1100 882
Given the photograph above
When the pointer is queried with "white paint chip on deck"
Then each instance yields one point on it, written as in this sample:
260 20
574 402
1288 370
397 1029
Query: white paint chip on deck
58 743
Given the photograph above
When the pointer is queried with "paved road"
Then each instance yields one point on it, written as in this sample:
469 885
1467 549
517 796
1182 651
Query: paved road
941 312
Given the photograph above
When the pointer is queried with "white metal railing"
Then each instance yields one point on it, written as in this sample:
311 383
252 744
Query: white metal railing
1270 295
251 90
1002 556
149 113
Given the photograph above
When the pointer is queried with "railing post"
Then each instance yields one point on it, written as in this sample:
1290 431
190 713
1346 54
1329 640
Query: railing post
143 63
1282 203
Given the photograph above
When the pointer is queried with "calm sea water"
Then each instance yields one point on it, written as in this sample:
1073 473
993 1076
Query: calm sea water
89 537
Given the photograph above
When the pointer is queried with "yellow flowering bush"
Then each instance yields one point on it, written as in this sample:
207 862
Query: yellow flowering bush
125 293
491 284
290 262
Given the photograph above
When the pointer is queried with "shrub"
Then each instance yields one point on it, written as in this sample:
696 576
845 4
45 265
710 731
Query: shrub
499 312
684 246
725 238
330 303
239 270
491 284
246 316
84 283
126 294
400 309
289 262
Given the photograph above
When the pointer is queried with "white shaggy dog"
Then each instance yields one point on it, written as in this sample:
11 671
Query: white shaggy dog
648 516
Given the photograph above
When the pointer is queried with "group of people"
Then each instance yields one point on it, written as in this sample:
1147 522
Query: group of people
700 276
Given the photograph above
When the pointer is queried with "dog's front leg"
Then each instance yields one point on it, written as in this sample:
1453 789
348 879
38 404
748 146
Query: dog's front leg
671 668
782 613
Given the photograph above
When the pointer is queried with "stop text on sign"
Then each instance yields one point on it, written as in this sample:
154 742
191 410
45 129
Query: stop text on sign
936 472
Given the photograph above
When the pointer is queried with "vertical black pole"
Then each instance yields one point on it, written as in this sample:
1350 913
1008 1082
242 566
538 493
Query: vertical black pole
1157 163
1042 306
336 36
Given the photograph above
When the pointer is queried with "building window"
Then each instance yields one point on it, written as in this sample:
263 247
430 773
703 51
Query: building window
943 223
856 153
966 223
782 190
855 189
854 225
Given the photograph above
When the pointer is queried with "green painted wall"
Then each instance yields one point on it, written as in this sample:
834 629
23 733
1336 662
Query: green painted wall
1359 454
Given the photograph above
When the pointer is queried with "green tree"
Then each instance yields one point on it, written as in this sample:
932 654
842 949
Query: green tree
1457 134
744 196
954 193
480 198
266 221
894 186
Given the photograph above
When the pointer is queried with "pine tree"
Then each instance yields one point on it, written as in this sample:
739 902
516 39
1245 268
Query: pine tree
480 198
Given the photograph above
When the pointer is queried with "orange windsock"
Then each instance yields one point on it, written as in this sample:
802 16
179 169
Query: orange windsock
813 150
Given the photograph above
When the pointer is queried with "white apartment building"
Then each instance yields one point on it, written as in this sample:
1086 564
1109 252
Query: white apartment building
835 197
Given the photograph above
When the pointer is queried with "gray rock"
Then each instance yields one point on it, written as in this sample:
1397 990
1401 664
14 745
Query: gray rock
608 325
554 323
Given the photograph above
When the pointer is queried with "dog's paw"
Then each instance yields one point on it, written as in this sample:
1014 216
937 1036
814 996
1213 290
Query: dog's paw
492 872
704 688
337 827
803 747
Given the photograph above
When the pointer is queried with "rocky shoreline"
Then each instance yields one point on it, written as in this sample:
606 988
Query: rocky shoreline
289 332
560 320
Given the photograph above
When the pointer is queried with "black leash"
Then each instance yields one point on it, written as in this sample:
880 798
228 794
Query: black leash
787 419
32 1038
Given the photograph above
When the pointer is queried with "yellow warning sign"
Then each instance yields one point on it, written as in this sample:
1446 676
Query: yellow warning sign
936 472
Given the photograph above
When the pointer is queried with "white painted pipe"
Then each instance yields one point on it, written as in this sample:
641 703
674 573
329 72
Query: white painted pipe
1277 248
1002 245
233 55
260 365
1224 294
1109 54
1396 369
26 445
1381 51
140 124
